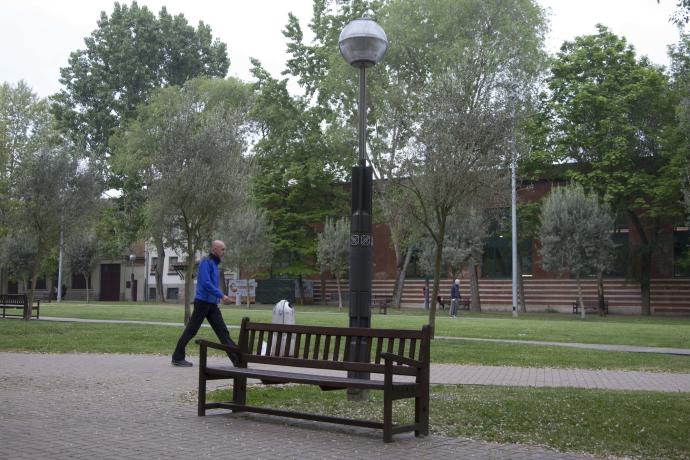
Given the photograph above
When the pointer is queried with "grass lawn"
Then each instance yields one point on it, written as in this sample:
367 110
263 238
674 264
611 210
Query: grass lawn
54 337
621 330
621 423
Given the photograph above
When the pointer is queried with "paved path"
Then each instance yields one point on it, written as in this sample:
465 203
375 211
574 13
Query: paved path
590 346
89 406
56 406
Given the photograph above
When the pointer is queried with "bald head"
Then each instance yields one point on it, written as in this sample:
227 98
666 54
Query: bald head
218 248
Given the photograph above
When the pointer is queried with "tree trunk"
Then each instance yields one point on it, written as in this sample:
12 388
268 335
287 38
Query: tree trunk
400 274
520 287
300 290
340 295
248 302
475 301
579 297
188 277
50 285
600 293
30 296
88 286
4 279
645 261
323 289
160 250
437 276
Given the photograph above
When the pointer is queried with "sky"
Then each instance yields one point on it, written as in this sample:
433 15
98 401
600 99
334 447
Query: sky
37 36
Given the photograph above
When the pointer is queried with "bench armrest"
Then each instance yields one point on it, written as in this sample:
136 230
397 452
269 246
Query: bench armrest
402 359
218 346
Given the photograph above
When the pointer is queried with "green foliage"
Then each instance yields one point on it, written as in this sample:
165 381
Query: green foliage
575 232
129 55
465 237
333 253
186 148
247 234
298 166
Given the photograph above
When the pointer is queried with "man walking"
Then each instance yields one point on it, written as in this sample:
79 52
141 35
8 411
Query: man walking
206 306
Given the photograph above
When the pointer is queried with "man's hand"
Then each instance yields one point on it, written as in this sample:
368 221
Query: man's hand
226 300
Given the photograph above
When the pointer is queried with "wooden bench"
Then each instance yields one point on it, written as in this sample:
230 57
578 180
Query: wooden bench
17 301
464 304
591 306
382 302
400 356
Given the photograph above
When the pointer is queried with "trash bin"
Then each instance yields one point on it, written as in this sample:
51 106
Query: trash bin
283 313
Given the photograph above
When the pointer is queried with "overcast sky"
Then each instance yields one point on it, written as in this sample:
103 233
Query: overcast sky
36 36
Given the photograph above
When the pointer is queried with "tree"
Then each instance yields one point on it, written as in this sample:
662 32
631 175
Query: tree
83 254
613 117
298 169
247 235
187 147
53 192
575 234
499 41
682 14
467 230
333 251
129 56
24 127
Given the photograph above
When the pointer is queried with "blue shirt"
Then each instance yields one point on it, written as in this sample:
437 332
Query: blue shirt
207 280
455 291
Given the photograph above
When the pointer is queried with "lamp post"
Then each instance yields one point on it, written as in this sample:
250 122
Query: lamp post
362 44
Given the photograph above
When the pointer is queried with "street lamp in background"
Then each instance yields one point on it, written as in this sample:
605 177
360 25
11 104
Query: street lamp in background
362 43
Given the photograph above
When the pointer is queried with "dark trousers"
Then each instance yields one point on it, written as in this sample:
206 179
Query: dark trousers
202 310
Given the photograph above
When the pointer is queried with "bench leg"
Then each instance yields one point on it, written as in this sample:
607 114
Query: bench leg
239 390
387 417
201 408
421 416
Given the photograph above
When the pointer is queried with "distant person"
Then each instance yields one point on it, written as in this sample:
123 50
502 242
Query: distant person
206 306
63 292
454 298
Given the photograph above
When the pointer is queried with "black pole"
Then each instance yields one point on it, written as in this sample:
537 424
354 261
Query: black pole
360 246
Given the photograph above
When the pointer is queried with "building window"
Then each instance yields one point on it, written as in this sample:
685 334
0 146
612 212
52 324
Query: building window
152 293
681 252
172 261
154 262
173 293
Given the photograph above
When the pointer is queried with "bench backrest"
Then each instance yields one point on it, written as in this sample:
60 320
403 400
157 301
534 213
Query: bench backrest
338 348
13 299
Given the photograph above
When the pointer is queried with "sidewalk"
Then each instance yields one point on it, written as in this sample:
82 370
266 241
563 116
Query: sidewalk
86 406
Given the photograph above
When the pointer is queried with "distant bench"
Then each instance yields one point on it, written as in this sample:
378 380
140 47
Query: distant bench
17 301
591 306
401 356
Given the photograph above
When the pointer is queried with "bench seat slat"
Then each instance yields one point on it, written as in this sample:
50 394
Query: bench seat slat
311 379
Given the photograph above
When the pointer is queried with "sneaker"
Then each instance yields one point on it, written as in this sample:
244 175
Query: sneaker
181 363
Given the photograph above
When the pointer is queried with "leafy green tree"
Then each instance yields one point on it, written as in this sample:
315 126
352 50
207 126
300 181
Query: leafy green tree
613 117
575 234
83 254
53 193
187 145
467 230
431 42
247 235
333 252
129 55
298 170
